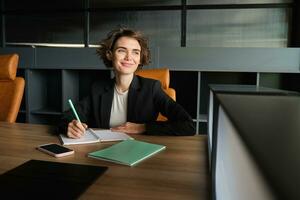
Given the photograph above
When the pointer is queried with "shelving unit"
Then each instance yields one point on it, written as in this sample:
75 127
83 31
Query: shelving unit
54 75
45 94
69 72
76 83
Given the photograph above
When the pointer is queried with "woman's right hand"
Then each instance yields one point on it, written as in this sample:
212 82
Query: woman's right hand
76 129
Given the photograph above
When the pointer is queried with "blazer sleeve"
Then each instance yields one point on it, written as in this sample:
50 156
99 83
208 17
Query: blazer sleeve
179 121
83 109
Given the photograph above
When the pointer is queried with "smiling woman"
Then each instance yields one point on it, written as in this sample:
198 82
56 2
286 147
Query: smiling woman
108 45
125 56
128 103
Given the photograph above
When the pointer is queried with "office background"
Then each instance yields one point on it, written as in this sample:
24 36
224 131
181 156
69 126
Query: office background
42 30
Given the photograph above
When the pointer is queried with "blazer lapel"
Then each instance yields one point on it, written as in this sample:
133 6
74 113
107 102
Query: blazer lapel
106 102
132 97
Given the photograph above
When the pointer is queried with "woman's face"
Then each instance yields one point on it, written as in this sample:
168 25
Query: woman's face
126 55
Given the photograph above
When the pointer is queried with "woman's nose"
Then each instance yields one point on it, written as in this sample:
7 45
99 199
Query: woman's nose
128 56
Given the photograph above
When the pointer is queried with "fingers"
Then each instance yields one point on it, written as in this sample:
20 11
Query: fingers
118 129
73 134
76 129
130 128
79 125
85 125
121 128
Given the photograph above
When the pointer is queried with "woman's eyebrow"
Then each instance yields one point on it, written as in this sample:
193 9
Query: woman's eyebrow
121 47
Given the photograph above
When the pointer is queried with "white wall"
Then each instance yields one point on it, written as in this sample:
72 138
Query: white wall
237 175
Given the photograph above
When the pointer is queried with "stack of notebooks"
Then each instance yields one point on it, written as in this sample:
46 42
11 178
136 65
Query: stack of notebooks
128 152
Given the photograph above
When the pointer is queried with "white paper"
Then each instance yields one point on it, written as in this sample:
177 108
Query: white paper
106 135
92 136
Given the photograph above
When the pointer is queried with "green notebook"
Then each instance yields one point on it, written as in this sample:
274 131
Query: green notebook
128 152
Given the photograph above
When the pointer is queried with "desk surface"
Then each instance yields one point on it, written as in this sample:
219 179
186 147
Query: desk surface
179 172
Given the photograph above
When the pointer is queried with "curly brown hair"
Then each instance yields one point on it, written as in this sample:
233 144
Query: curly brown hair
108 43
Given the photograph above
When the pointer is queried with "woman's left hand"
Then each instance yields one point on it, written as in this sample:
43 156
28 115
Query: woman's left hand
130 128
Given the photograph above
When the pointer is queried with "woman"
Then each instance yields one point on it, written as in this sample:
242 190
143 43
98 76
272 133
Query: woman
128 103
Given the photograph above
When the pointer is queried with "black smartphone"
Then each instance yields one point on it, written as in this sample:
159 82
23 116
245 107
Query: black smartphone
55 150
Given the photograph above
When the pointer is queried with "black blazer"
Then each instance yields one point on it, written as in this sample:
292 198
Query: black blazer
145 100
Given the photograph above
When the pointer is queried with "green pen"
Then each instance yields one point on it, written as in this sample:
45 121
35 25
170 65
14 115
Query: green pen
73 109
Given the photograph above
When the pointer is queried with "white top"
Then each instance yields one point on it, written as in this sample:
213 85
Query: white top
118 114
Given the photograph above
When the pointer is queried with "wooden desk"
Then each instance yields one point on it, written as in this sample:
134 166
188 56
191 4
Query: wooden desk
179 172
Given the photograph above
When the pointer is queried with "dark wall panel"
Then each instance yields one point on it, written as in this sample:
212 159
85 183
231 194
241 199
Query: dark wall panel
45 28
266 27
161 27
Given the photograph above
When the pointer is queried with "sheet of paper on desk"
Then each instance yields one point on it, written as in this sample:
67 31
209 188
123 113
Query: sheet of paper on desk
92 136
106 135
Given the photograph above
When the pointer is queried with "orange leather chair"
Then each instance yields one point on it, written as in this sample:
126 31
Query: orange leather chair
163 75
11 88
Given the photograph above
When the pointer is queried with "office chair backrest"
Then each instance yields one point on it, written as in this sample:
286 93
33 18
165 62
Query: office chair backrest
163 75
11 88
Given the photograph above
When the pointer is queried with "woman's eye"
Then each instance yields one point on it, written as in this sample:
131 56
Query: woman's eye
121 50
